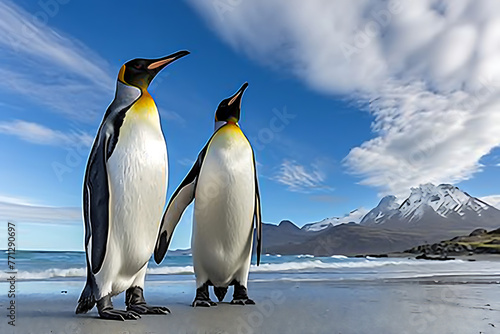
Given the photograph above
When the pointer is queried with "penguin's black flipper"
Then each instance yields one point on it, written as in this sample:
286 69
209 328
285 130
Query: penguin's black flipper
96 202
182 197
96 188
87 300
257 212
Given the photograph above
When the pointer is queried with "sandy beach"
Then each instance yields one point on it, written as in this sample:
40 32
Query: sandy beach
456 304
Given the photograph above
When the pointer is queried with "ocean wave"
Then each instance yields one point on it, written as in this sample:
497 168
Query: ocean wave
170 270
297 266
82 272
44 274
318 264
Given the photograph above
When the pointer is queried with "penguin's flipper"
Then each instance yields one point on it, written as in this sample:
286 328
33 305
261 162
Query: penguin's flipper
96 200
257 213
182 197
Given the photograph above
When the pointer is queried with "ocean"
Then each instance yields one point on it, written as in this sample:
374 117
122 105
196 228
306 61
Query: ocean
70 266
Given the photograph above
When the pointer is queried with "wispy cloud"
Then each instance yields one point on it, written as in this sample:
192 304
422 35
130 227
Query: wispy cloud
16 200
39 134
493 200
23 212
299 178
50 68
170 115
186 162
430 69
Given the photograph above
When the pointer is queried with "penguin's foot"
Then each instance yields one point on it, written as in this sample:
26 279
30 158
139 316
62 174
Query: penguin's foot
240 295
203 303
148 309
134 299
247 301
106 311
202 297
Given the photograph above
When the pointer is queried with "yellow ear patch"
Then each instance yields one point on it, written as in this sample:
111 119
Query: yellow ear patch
121 74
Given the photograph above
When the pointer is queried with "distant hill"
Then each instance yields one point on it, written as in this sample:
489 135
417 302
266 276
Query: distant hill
479 241
430 214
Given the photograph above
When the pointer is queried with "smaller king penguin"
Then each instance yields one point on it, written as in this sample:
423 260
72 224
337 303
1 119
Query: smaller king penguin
224 184
124 193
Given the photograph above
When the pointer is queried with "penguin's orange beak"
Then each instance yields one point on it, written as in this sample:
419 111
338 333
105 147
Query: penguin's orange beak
157 65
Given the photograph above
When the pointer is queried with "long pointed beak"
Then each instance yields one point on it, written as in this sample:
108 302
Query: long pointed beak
157 65
238 95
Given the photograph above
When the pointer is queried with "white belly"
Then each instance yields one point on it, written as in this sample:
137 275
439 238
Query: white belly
137 171
224 207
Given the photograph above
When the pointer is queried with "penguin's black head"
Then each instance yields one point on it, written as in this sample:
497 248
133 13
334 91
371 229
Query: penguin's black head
230 108
140 72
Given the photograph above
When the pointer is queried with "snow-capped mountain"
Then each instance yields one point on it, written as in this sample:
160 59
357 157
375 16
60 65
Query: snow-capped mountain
354 216
430 214
387 208
440 206
444 199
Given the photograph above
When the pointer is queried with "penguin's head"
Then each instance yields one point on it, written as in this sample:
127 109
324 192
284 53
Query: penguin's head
230 108
140 72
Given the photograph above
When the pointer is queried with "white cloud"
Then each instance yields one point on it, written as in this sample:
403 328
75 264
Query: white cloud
22 212
299 178
39 134
49 68
430 67
493 200
15 200
186 162
170 115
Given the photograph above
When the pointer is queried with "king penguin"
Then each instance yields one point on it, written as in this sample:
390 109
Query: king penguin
124 193
223 182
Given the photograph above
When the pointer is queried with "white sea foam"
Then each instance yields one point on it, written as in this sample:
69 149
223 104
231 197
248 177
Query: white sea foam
318 264
49 273
168 270
401 266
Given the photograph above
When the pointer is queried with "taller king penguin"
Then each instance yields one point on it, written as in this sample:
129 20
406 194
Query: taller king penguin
224 184
124 194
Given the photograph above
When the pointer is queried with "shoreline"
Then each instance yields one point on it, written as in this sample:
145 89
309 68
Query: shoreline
443 304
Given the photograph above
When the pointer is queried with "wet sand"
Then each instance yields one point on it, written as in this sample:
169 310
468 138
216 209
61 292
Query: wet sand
463 304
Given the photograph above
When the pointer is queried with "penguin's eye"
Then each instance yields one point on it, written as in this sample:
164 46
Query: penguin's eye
138 66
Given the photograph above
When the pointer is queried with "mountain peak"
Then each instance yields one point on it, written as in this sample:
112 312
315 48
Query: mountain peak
429 203
386 208
288 225
388 202
354 216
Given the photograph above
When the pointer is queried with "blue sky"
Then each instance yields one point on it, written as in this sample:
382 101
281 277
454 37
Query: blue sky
370 113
